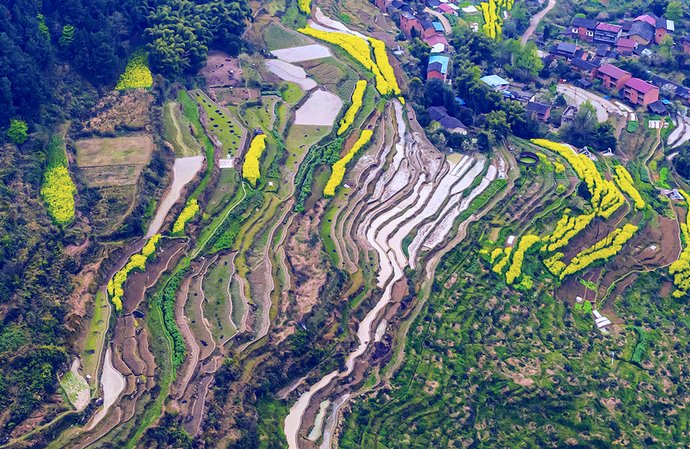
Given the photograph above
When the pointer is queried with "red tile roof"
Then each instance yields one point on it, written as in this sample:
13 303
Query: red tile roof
625 42
612 71
639 85
436 39
609 27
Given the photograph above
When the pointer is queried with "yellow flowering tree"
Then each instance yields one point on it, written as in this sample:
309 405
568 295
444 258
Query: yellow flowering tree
250 168
338 169
354 108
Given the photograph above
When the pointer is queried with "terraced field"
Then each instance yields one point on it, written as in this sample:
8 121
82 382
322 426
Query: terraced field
428 299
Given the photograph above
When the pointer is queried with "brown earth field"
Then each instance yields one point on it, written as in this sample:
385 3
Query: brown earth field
120 110
221 70
135 149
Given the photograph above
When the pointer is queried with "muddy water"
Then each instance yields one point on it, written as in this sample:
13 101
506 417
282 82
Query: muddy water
294 419
184 170
113 384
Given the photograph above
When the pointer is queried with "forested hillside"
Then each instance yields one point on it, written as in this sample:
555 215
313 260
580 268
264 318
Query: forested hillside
58 58
50 49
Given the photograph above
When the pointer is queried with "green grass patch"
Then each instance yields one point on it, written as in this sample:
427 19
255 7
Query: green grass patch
326 237
190 110
291 93
277 37
221 123
93 342
177 131
663 178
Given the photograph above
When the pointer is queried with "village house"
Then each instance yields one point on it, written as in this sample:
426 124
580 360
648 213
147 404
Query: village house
612 77
565 50
437 67
446 8
437 42
588 69
541 111
606 33
641 32
625 46
660 25
449 123
583 29
669 89
410 25
495 82
640 92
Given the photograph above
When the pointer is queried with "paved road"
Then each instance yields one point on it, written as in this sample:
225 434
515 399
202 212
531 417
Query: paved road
535 20
577 96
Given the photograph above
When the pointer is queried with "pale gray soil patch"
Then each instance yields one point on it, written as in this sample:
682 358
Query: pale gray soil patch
288 72
184 170
113 384
303 53
320 109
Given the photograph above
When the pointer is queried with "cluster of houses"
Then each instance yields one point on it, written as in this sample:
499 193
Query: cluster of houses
614 40
428 27
627 38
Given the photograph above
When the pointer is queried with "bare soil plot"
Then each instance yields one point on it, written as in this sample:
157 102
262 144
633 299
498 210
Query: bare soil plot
129 150
234 95
303 53
221 70
112 175
120 110
321 109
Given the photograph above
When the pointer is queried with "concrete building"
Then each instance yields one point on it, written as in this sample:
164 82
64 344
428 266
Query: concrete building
495 82
583 29
612 77
640 92
606 33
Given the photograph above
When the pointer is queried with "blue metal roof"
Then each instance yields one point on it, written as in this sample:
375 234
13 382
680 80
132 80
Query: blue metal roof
441 59
494 80
438 26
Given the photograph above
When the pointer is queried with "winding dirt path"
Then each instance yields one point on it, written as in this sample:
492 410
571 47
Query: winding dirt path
535 21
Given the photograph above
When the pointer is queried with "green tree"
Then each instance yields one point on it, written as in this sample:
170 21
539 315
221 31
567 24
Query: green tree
674 10
67 36
18 131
